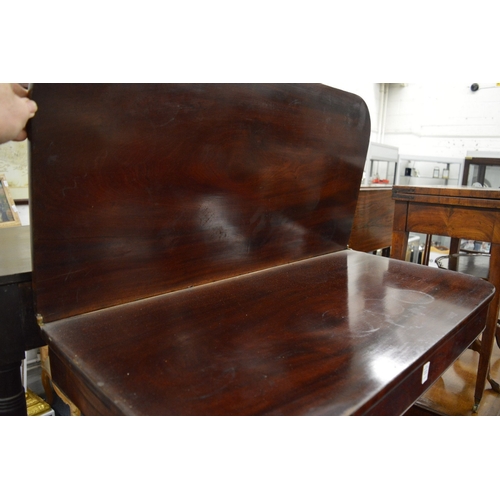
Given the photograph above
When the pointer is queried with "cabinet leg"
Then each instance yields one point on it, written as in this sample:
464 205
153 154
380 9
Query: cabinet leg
12 394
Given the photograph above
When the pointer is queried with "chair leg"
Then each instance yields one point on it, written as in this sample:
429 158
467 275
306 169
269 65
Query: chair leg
489 333
483 372
73 409
49 386
46 376
476 347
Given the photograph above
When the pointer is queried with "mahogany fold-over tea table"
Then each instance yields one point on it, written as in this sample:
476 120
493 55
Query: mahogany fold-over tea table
190 257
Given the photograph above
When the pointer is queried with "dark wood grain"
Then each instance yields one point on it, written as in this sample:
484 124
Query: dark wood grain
142 189
345 333
189 246
373 220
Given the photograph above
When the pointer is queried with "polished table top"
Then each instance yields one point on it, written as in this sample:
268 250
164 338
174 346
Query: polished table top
340 334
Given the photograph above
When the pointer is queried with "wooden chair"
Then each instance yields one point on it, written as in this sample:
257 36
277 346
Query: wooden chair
190 257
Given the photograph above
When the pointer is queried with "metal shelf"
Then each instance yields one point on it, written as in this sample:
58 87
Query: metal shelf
403 160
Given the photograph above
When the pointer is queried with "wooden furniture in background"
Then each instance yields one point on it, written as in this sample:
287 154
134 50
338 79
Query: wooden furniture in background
461 213
482 164
190 256
373 220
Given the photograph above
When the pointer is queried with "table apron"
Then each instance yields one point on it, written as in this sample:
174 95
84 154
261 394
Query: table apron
450 221
411 387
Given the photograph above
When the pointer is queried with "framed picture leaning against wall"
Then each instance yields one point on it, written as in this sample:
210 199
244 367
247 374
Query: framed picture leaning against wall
8 211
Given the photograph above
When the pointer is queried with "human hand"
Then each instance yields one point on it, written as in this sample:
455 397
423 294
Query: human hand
16 108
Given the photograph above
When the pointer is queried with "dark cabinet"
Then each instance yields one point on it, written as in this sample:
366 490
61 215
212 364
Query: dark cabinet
19 331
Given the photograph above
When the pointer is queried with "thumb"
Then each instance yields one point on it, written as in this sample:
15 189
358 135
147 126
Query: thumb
32 107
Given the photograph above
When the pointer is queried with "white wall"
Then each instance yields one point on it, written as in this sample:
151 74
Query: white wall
443 119
434 119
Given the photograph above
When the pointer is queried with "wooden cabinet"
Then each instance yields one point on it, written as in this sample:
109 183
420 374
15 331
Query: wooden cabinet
482 168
